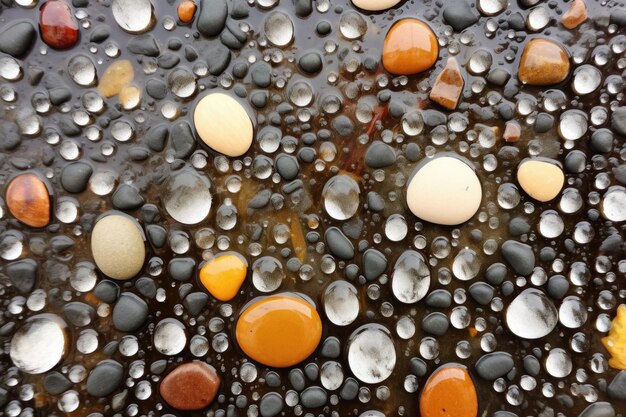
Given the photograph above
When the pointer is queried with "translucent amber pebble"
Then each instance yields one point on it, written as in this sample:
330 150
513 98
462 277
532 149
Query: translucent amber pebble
280 330
615 342
410 47
222 276
116 77
28 200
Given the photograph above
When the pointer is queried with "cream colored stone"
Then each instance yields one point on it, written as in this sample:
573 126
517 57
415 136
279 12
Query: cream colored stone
223 124
540 179
117 75
118 247
445 191
375 5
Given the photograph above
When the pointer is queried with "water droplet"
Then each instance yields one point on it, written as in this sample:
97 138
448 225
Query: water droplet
531 315
352 25
39 344
466 265
341 303
371 353
341 197
169 337
587 79
558 363
278 29
187 196
133 15
82 70
267 274
614 204
410 278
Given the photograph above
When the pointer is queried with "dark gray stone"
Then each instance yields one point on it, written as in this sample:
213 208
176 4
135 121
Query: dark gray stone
146 287
436 323
310 62
439 299
418 366
287 166
130 313
374 264
143 45
602 141
494 365
314 397
520 256
156 137
79 314
296 379
195 302
459 15
157 235
105 378
107 291
618 120
557 286
217 59
183 140
599 409
531 365
349 390
16 38
126 197
271 404
182 269
338 244
617 388
261 74
481 292
379 155
23 274
331 347
212 17
343 125
375 201
55 383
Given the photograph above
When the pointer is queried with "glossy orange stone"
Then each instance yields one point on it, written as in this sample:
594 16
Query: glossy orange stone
575 15
222 276
449 392
191 386
28 200
280 330
410 47
186 10
544 62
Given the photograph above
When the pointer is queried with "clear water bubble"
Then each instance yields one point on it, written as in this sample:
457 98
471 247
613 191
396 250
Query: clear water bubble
341 303
412 123
341 197
551 224
396 227
84 277
587 79
558 363
352 25
226 215
405 327
371 353
572 125
169 337
11 245
87 341
492 7
187 196
571 201
39 344
278 29
466 265
538 18
613 206
301 93
531 315
182 83
82 70
572 312
331 375
10 69
267 274
133 15
479 62
410 279
508 196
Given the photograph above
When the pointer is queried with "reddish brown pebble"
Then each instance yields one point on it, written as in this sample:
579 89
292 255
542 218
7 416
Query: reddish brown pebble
544 62
512 131
191 386
576 14
58 27
28 200
448 85
186 9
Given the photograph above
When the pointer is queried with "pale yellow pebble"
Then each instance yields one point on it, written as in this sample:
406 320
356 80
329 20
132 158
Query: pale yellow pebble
375 5
223 124
130 97
444 190
116 76
540 179
117 246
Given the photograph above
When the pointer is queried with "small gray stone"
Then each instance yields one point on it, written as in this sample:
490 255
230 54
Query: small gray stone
183 140
146 287
212 17
375 201
331 348
296 379
520 256
261 74
75 176
343 125
126 197
55 383
379 155
156 137
599 409
310 62
107 291
481 292
498 76
130 313
617 388
312 371
575 162
618 120
157 235
79 314
439 299
518 226
494 365
543 123
602 141
349 389
260 199
271 404
418 366
374 264
105 378
459 15
338 244
156 89
143 45
436 323
23 274
217 59
272 379
557 286
287 166
314 397
182 269
531 365
195 302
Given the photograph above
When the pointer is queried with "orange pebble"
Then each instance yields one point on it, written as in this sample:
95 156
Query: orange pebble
449 392
28 200
410 47
223 275
280 330
186 9
576 14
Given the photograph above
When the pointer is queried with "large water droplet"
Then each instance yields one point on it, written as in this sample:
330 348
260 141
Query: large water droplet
371 353
187 196
39 344
352 25
133 15
558 363
466 265
341 197
82 70
341 303
278 29
267 274
587 79
410 278
614 204
531 315
169 337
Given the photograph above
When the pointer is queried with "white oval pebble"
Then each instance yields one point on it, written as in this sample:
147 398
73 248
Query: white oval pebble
117 246
375 5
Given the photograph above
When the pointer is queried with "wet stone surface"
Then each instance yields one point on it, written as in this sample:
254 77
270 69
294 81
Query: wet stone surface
364 208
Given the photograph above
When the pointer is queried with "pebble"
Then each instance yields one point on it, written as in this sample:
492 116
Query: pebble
617 388
134 16
313 397
262 335
494 365
190 386
310 62
557 287
212 17
143 45
223 124
520 256
57 26
459 15
186 10
449 381
410 47
444 190
287 166
374 264
375 5
105 378
618 120
107 291
379 155
482 293
126 197
436 323
117 246
223 275
575 15
117 76
541 179
16 38
23 274
28 200
599 409
543 62
75 176
183 140
338 244
129 313
531 315
271 404
448 85
55 383
615 341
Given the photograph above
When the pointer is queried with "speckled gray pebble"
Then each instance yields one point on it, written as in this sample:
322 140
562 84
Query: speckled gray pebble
374 264
436 323
271 404
338 244
261 74
481 292
520 256
217 58
518 226
599 409
494 365
75 176
105 378
146 287
272 379
313 397
343 125
130 312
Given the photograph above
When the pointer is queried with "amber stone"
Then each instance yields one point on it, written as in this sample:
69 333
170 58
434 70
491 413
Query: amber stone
186 9
280 330
58 27
575 15
448 86
542 179
410 47
190 386
449 392
223 275
28 200
543 62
